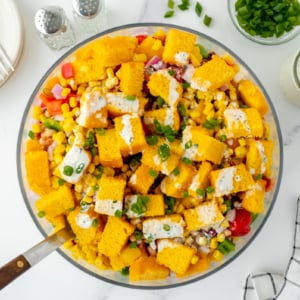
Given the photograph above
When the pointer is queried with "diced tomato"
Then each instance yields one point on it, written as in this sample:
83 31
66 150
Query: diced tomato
67 70
241 224
141 37
53 106
269 184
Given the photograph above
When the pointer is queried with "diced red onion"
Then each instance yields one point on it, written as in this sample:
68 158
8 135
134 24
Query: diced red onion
230 216
51 150
56 91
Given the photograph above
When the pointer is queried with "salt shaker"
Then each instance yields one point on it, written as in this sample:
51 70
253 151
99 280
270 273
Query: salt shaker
54 27
89 16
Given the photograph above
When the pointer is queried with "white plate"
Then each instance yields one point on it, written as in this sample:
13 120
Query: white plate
11 32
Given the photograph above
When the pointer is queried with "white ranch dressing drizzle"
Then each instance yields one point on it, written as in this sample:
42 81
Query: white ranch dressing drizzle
181 58
263 157
83 220
127 132
124 105
173 84
224 184
108 206
235 116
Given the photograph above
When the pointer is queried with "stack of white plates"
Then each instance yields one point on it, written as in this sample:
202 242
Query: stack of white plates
11 32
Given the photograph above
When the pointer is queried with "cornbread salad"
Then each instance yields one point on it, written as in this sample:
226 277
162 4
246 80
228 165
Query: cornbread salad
155 150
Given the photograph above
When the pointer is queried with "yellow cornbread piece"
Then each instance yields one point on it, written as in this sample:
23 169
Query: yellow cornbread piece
151 47
259 157
243 122
253 199
200 180
231 180
141 180
147 268
85 225
175 256
152 159
37 171
109 198
155 206
212 74
109 151
113 51
178 47
252 96
202 146
114 237
175 185
118 104
56 202
201 265
205 214
126 258
130 134
33 145
93 111
131 77
162 84
165 116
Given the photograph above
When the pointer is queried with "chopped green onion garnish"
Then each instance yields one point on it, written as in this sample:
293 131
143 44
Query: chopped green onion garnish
60 182
223 137
100 131
52 124
166 227
132 245
79 168
203 51
41 214
68 170
207 20
140 206
151 139
95 223
186 85
118 213
169 14
160 102
176 172
185 194
164 152
130 97
171 72
200 192
198 9
210 189
171 4
138 235
125 271
153 173
187 161
259 177
31 134
188 145
211 123
170 203
226 246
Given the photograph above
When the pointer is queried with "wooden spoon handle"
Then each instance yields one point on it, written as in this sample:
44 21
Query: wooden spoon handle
13 269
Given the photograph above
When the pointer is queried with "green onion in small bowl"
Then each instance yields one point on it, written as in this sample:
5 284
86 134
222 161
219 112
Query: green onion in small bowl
266 22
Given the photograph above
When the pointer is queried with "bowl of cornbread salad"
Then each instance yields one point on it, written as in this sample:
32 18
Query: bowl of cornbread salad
159 148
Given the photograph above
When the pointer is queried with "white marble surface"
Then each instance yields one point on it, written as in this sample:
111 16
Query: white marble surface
55 278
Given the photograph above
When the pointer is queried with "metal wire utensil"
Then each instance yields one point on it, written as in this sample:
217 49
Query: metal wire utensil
6 67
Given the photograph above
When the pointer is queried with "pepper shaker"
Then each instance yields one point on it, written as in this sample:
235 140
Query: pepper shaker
54 27
89 16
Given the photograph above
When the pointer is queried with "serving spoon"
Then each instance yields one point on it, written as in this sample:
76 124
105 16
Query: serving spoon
20 264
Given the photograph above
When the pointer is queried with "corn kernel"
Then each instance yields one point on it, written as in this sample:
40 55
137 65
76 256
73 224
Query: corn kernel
96 160
87 199
65 92
73 102
71 139
194 60
78 187
80 90
195 259
90 180
90 191
141 57
213 243
110 73
179 208
78 196
65 108
242 142
37 112
109 171
59 137
36 128
217 255
91 168
76 111
223 208
220 237
59 149
201 240
111 82
240 151
57 158
225 224
159 34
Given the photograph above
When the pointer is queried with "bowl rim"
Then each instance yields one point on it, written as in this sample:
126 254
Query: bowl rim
168 26
286 37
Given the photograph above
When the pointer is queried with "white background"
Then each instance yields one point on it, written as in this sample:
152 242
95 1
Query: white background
55 278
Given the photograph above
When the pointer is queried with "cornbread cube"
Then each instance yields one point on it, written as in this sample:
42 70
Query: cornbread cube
126 258
162 84
243 122
176 185
155 206
56 202
259 157
253 200
205 214
252 96
200 180
202 146
165 116
85 225
33 145
170 226
178 47
231 180
175 256
131 77
58 222
147 268
37 171
87 70
73 165
118 104
150 47
201 265
109 151
130 134
109 198
212 74
141 180
114 237
196 56
152 159
113 51
93 111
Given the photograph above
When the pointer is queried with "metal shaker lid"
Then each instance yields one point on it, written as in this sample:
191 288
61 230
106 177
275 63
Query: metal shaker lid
87 8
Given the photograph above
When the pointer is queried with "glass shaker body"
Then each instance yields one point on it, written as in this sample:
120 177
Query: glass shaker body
89 16
54 27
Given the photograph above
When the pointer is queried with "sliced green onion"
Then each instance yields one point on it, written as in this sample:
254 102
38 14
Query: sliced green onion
171 4
169 14
198 9
31 134
188 145
187 160
118 213
176 172
164 152
151 139
153 173
200 192
166 227
79 168
130 97
68 170
207 20
41 214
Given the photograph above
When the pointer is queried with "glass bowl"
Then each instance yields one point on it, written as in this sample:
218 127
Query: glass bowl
287 36
115 277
